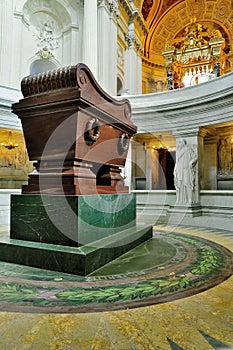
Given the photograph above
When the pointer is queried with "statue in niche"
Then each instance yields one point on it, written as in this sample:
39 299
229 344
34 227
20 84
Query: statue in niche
184 173
229 155
225 152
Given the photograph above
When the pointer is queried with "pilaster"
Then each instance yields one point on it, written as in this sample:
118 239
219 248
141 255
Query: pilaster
74 29
90 36
5 39
107 45
133 63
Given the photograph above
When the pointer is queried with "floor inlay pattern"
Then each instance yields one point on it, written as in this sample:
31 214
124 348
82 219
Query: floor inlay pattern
172 265
201 321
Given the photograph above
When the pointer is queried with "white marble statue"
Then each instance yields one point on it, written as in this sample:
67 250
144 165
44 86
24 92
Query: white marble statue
184 173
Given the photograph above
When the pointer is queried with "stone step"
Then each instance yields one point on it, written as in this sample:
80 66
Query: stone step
74 260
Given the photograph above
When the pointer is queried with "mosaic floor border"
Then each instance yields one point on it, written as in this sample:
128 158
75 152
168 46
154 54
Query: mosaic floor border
197 265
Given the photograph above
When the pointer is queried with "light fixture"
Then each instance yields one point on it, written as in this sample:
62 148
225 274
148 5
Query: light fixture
10 144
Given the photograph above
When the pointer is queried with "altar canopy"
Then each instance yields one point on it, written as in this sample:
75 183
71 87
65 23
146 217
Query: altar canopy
195 57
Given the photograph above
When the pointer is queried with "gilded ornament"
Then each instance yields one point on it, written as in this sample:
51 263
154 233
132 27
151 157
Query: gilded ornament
45 54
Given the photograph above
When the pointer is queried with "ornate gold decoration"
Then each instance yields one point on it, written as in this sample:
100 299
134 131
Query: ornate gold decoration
9 144
45 54
195 54
196 8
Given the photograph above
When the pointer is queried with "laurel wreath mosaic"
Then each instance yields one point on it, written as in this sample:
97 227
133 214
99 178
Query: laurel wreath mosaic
197 264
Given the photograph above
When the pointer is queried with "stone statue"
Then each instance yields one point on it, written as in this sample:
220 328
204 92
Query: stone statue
184 173
221 156
225 161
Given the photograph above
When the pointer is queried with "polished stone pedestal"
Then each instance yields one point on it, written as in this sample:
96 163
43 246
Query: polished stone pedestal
73 234
70 220
74 260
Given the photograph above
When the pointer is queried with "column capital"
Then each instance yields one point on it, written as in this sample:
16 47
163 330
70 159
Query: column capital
133 42
110 5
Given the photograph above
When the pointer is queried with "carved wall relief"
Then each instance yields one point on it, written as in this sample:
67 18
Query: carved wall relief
47 33
14 162
225 156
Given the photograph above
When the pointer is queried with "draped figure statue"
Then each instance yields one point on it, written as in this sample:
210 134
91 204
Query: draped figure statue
184 173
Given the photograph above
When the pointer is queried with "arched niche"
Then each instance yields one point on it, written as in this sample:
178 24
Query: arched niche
48 31
40 65
57 7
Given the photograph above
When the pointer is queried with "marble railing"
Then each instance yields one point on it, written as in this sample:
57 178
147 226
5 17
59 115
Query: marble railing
185 110
155 206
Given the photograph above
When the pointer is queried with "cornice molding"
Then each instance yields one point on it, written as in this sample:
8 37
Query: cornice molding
127 6
137 17
134 15
151 64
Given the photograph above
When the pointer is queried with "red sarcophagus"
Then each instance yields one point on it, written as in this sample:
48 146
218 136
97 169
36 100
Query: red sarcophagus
76 134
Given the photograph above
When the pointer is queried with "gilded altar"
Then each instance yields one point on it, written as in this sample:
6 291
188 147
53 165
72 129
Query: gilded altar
196 57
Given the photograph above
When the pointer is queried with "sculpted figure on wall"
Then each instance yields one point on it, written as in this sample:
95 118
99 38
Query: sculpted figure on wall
225 156
184 173
15 160
47 32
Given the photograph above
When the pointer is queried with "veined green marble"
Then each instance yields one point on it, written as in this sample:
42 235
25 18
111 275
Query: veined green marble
73 234
75 260
70 220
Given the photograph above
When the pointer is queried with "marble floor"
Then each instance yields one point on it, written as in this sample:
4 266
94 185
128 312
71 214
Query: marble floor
202 321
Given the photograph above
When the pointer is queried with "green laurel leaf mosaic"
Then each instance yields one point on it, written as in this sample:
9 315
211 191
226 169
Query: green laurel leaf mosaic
208 262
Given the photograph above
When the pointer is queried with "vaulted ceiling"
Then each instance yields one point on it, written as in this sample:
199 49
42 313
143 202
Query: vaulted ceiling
167 18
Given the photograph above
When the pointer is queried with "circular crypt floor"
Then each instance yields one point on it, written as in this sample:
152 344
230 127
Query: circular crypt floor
162 291
170 266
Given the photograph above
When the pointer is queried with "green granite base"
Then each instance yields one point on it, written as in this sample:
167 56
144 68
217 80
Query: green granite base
70 220
74 260
73 234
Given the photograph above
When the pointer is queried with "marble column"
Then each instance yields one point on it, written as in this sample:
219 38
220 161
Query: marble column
90 35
